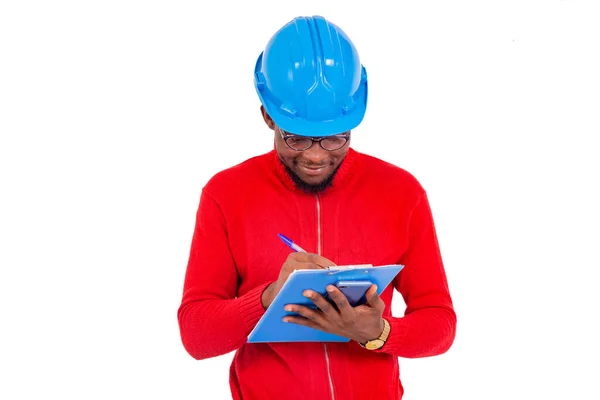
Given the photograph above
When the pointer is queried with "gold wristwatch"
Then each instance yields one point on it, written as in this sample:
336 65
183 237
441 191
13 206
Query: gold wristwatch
378 343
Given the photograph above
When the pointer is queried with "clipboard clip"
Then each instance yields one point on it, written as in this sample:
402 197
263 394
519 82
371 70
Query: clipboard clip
336 270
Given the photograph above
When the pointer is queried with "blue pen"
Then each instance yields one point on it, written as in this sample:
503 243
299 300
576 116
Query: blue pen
291 244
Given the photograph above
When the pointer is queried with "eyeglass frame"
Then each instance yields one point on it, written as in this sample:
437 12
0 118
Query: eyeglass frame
286 135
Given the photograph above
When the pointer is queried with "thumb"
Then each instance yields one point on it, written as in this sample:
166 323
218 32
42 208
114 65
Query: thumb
373 299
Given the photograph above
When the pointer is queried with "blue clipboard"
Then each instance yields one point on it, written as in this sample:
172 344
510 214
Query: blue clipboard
271 328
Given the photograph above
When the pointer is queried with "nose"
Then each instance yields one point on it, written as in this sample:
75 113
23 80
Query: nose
316 154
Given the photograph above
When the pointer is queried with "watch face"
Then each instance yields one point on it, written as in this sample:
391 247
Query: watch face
374 344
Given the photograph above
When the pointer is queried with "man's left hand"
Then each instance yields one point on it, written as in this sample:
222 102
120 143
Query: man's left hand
361 323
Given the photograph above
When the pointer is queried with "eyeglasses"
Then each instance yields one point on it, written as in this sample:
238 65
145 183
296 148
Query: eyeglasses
302 143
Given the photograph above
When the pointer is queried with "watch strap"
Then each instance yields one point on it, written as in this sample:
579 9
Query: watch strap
379 341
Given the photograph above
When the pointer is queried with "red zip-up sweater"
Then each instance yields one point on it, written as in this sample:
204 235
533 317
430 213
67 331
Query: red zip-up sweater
374 213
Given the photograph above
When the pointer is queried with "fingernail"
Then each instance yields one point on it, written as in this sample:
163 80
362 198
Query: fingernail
288 308
330 288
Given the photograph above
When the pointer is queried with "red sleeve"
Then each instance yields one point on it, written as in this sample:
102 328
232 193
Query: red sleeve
212 320
428 327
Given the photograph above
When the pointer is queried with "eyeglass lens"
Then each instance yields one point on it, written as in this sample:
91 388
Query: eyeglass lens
328 143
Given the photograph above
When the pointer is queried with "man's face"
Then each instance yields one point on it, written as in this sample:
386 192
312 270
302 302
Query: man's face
313 169
314 166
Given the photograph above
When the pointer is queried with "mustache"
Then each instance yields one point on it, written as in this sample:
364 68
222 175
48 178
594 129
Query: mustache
311 165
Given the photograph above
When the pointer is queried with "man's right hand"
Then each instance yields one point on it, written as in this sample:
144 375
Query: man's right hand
297 260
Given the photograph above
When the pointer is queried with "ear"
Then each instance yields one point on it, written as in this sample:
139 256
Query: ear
267 118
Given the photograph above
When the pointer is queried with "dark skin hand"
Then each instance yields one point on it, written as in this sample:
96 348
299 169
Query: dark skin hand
294 261
361 323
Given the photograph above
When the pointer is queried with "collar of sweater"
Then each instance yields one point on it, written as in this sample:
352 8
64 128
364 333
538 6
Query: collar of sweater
346 172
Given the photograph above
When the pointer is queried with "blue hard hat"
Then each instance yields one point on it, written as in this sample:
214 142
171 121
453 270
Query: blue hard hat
310 80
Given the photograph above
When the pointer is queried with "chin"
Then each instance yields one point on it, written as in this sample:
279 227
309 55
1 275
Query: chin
311 184
312 180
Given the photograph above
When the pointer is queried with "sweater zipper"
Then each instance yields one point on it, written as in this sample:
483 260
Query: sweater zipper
319 252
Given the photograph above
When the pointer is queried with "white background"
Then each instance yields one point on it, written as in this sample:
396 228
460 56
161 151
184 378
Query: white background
114 114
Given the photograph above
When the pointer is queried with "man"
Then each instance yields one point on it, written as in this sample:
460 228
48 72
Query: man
343 208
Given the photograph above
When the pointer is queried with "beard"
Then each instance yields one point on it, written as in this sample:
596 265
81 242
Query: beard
314 188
